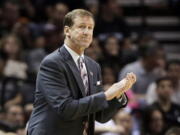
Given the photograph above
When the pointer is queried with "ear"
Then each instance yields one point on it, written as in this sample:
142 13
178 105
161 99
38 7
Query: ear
66 31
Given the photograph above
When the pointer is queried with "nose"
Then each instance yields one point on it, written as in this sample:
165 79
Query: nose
86 31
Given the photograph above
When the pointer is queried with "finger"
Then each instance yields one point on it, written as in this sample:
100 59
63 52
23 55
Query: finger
130 78
134 78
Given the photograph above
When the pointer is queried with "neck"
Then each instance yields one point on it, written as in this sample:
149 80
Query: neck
74 47
165 105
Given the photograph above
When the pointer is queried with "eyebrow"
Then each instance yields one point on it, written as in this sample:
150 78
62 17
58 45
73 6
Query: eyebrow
85 23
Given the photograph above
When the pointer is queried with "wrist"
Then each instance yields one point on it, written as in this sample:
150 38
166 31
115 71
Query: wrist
120 95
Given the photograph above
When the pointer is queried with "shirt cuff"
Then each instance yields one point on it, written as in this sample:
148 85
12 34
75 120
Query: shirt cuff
122 99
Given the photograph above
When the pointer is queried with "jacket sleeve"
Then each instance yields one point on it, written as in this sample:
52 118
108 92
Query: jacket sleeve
113 105
52 83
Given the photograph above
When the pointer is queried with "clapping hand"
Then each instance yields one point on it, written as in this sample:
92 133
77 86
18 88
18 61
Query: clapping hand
117 89
126 83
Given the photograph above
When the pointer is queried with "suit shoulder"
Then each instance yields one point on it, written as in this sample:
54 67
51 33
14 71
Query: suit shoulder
92 61
52 58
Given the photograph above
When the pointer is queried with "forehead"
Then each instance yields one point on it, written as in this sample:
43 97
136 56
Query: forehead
88 20
165 82
15 108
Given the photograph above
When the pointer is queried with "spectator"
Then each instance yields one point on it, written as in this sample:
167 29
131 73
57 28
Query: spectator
171 110
15 67
112 53
153 122
173 68
14 118
144 68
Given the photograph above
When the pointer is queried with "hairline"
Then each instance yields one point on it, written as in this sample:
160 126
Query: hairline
77 13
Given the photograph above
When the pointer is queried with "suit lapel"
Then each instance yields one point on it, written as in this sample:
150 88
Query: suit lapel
72 66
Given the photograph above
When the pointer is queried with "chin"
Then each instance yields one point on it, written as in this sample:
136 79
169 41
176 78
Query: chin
85 45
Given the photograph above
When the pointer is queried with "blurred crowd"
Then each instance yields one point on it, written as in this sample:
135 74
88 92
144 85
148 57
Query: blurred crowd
31 29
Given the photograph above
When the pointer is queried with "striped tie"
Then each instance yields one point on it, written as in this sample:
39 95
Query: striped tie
83 71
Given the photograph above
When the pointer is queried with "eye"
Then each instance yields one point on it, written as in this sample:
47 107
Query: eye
90 27
82 26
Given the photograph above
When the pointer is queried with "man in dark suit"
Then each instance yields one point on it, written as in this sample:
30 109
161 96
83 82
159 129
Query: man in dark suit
69 95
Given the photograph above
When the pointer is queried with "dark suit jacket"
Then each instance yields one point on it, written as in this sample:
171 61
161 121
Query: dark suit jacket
61 106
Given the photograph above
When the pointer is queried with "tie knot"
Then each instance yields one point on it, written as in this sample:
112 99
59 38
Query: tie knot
81 59
80 62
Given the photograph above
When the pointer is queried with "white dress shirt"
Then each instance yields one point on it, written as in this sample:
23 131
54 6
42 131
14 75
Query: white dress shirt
74 55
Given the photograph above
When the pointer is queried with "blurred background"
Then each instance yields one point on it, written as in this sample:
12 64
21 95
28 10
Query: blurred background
140 36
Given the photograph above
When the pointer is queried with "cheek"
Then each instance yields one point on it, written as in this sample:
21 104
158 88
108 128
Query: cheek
170 91
91 33
77 34
78 31
91 38
73 33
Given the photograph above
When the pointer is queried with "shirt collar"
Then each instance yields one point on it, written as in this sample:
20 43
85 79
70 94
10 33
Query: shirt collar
74 55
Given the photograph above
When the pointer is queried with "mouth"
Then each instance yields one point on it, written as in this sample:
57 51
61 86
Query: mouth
85 39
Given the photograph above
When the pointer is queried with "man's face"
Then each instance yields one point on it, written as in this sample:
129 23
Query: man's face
165 90
81 33
15 115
